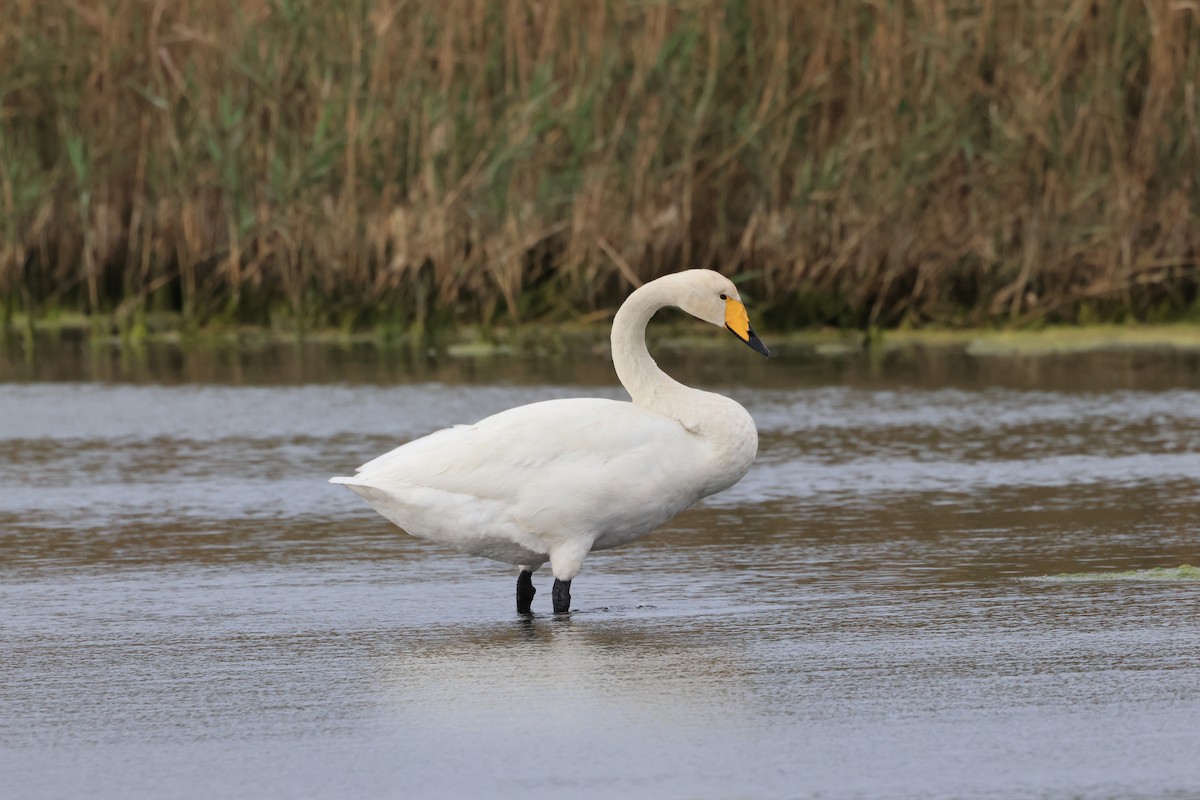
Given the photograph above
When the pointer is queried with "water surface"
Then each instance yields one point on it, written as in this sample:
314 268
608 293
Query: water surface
895 602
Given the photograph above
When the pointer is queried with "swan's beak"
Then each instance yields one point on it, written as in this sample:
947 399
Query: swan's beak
738 321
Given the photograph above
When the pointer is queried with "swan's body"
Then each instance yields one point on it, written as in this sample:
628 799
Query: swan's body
552 481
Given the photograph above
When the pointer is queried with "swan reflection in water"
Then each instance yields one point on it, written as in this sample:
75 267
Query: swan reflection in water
642 668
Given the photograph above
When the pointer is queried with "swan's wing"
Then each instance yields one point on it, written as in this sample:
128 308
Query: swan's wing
497 454
426 445
539 475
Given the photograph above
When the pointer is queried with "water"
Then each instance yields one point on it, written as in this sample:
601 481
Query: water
928 586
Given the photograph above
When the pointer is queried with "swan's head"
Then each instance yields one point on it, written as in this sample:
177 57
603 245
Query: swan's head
712 297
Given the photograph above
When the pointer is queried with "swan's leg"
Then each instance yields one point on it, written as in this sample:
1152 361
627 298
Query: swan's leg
565 561
561 596
525 591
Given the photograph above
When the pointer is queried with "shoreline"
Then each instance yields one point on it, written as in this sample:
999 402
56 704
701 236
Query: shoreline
569 337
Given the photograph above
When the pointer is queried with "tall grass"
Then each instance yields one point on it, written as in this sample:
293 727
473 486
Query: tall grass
427 161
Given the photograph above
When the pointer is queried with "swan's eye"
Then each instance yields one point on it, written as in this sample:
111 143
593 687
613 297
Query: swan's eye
723 297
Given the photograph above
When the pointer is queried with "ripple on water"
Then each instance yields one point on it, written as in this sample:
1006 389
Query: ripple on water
182 589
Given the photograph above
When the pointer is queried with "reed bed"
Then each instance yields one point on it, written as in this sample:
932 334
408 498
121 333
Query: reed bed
431 162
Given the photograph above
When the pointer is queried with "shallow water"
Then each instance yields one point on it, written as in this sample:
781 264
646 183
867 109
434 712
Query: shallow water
896 602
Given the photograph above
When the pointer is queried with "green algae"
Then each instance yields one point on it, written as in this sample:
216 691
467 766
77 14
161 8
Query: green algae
1058 340
1184 572
677 332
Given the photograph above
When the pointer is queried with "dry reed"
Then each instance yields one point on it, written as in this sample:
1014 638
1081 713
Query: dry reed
435 161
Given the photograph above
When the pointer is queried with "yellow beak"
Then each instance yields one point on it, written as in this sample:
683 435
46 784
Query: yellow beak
738 321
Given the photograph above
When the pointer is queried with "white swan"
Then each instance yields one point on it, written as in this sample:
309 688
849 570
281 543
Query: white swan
552 481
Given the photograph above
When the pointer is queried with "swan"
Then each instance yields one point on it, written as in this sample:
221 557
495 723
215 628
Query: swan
554 480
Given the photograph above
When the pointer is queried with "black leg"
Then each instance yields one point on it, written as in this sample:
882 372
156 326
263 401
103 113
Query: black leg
562 596
525 592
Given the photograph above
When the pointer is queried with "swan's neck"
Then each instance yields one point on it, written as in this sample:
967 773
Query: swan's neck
646 383
717 419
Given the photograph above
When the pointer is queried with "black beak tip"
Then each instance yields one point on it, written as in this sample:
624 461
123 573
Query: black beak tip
757 345
754 342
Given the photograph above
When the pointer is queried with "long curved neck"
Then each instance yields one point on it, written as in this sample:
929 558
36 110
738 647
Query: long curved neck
719 420
648 385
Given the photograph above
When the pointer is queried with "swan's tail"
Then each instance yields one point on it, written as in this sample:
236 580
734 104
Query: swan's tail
359 487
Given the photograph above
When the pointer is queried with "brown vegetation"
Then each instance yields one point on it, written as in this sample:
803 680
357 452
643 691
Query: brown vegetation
429 161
